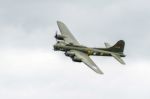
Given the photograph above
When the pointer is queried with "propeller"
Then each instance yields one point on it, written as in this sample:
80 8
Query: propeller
56 36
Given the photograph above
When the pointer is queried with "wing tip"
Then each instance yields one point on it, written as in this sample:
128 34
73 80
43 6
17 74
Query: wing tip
59 22
123 63
100 72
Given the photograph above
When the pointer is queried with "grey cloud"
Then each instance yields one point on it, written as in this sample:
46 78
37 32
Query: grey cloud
28 26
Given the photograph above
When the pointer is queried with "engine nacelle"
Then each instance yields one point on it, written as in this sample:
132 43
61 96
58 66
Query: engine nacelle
59 37
61 42
70 54
76 59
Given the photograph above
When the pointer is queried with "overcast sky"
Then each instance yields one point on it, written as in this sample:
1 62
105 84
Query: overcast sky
30 69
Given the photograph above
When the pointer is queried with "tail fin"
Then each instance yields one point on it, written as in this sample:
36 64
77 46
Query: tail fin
118 47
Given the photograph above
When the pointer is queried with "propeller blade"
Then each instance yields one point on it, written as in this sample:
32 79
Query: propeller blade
56 34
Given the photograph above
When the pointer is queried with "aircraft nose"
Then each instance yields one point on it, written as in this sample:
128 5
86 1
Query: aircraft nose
55 47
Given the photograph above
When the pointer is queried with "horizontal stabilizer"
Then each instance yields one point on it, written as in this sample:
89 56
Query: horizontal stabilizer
107 45
118 58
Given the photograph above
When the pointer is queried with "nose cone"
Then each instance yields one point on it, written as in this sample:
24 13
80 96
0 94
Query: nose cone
55 47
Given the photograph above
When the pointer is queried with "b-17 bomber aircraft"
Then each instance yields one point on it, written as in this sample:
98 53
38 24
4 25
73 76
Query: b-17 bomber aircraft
78 53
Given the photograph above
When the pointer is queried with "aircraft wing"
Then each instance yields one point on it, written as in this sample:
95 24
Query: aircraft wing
68 37
118 58
88 61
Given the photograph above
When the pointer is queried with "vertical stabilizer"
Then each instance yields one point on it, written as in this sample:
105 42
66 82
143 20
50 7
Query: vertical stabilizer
118 47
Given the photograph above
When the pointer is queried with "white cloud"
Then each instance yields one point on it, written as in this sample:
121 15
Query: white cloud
40 73
30 69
